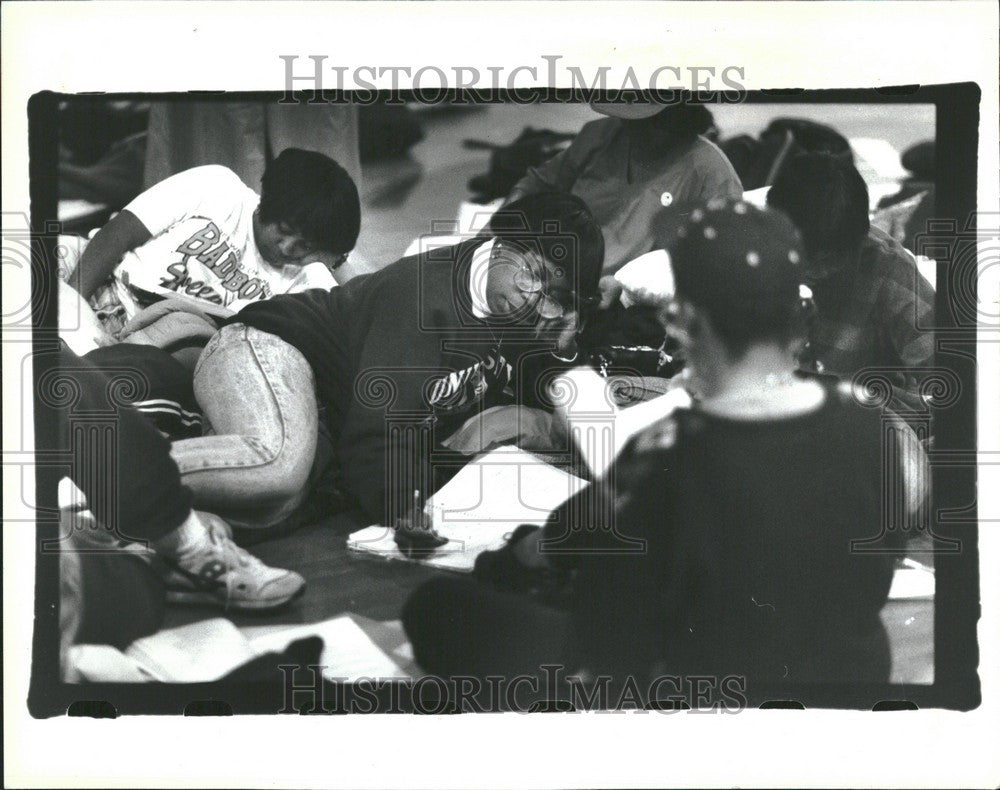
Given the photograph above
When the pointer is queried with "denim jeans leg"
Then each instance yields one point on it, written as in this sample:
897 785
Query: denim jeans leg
258 394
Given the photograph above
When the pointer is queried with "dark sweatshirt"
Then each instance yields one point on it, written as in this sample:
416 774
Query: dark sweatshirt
751 550
764 551
401 361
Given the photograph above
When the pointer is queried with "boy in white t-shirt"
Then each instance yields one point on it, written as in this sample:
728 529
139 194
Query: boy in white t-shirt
205 235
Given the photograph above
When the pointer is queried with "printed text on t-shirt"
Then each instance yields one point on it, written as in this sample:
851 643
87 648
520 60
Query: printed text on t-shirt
209 248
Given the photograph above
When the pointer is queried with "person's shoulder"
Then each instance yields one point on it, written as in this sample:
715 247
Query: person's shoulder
215 181
857 402
218 175
881 250
442 257
707 154
598 132
660 436
403 277
892 268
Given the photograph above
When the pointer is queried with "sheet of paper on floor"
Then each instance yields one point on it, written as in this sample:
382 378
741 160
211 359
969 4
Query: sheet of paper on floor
202 651
598 427
348 652
210 649
480 507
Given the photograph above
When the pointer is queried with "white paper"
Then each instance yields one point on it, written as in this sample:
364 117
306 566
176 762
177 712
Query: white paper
348 652
912 583
646 279
481 506
203 651
599 428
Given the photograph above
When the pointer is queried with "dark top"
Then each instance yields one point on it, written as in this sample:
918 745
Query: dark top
401 360
747 564
884 323
595 168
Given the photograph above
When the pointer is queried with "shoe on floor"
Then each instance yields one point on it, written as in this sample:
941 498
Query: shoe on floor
218 572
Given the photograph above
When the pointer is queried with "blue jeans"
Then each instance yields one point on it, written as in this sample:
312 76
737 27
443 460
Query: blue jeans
258 397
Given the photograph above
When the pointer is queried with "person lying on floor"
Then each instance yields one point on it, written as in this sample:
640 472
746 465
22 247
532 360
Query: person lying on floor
205 235
387 366
874 309
115 594
737 528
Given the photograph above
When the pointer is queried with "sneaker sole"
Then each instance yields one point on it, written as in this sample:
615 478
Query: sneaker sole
195 598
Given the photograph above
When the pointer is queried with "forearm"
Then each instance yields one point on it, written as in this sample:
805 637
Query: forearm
384 465
530 183
105 251
544 178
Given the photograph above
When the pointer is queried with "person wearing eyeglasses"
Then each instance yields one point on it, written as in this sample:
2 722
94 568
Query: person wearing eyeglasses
743 535
352 387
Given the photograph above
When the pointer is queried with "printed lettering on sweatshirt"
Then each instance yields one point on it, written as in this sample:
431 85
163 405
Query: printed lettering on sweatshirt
462 388
194 258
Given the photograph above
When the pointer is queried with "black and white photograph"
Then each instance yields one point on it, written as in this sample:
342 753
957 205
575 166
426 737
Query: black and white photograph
546 389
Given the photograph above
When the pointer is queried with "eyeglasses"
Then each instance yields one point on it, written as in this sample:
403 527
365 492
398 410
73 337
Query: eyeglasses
531 282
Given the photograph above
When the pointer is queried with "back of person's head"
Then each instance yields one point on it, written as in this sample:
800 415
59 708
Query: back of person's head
742 267
314 196
683 121
827 199
663 118
561 228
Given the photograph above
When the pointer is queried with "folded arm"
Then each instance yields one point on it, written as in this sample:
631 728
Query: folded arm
105 251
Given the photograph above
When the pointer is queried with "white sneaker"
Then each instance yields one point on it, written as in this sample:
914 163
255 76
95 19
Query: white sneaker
219 572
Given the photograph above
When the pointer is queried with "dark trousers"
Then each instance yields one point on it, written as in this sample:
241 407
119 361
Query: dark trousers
461 627
118 458
123 466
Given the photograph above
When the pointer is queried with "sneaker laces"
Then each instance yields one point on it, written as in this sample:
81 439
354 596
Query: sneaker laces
234 556
231 555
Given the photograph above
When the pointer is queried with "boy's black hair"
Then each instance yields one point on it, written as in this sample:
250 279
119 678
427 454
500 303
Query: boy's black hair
314 196
740 323
559 226
741 266
680 122
827 199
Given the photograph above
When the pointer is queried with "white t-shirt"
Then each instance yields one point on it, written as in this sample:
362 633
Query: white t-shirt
478 271
203 245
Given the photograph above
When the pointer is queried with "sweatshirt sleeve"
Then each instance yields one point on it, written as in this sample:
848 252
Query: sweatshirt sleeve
387 437
719 178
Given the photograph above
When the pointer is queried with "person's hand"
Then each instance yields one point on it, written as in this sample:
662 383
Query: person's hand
519 567
414 532
564 331
331 260
609 290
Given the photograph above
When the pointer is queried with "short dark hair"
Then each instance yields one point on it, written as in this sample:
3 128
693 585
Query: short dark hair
681 122
544 221
314 196
827 199
740 265
740 323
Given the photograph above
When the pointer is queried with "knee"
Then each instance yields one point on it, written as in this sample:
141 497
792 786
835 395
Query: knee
284 471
